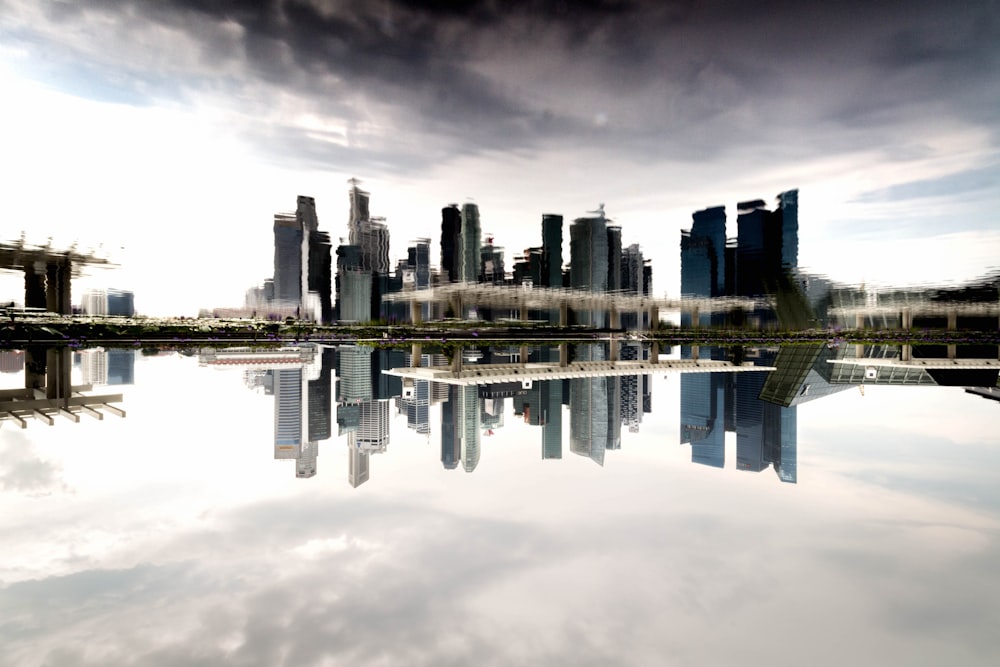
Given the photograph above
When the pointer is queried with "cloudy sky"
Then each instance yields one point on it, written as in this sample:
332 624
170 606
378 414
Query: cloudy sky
172 131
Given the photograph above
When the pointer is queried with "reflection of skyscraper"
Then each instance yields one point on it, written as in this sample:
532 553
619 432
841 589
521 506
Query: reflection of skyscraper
373 426
471 429
551 418
354 371
358 463
450 428
765 432
630 389
702 413
588 409
287 413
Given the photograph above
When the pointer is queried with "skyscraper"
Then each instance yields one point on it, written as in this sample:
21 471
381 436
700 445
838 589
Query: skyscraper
451 234
287 259
703 254
588 260
552 260
471 240
302 262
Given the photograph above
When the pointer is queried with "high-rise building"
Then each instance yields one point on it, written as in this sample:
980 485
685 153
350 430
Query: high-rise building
491 265
302 262
353 286
471 240
552 259
588 252
703 257
358 211
287 389
588 409
588 263
287 259
614 258
451 235
358 462
451 427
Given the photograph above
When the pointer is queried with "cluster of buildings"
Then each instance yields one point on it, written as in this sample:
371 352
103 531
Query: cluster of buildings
315 281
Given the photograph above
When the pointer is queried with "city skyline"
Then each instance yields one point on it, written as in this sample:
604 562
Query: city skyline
175 132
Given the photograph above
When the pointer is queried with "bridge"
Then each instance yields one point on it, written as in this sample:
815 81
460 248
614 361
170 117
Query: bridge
48 273
523 298
478 374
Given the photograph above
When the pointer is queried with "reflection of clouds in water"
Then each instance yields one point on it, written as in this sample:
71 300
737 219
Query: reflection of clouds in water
22 470
381 583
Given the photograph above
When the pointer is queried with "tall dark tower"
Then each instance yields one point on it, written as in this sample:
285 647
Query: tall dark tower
287 259
451 231
552 259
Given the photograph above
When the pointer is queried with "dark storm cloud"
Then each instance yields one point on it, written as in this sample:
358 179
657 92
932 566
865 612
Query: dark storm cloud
659 80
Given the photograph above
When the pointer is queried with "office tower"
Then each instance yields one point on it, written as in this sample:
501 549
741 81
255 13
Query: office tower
491 412
767 245
358 211
287 259
354 286
373 238
287 389
94 366
491 265
614 392
320 279
631 388
354 370
588 409
320 399
358 463
121 303
120 366
418 260
373 427
588 263
552 260
702 407
756 246
634 281
551 418
470 435
94 302
451 234
451 426
302 262
470 243
305 464
614 258
588 252
703 257
417 407
787 216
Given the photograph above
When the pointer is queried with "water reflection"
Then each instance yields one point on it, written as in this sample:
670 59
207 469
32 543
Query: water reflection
752 393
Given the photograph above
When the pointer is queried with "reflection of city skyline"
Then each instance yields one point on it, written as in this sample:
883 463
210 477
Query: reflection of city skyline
752 393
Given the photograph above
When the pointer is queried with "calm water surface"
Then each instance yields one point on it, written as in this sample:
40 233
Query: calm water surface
862 526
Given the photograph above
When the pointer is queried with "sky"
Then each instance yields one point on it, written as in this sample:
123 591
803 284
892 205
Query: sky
169 133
